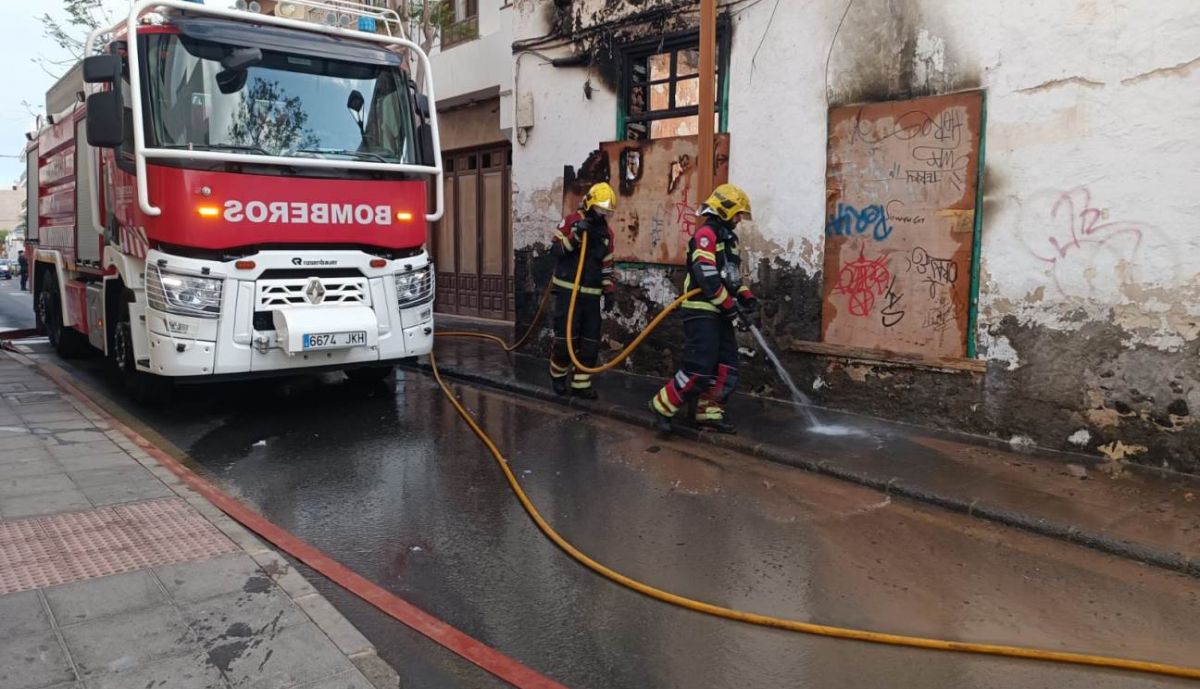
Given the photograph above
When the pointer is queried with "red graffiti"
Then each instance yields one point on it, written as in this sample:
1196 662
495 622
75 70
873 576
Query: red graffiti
861 280
685 213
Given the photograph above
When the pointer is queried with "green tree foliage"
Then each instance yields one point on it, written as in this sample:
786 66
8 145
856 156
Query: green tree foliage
82 17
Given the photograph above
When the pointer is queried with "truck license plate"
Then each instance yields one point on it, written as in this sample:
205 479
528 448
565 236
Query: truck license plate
335 340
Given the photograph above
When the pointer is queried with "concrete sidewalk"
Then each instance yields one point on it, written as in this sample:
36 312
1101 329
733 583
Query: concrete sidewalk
113 574
1134 512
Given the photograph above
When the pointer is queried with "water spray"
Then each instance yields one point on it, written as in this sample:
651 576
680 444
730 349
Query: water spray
798 398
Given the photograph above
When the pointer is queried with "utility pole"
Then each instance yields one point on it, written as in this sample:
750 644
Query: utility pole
708 97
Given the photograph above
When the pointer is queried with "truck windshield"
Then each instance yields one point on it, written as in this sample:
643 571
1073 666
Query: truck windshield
203 95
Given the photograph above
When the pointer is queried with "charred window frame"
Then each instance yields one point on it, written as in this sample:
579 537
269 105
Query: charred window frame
656 79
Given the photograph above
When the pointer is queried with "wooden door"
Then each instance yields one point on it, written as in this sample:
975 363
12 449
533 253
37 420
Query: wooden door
472 245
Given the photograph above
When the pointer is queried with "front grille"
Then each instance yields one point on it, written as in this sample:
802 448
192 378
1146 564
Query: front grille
277 294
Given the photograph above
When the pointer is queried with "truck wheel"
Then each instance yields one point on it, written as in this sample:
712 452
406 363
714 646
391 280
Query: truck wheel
143 387
369 374
68 342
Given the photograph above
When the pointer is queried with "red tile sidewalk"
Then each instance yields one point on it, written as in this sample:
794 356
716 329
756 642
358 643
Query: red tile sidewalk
58 549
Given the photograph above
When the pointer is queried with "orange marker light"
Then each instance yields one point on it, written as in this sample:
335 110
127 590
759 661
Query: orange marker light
208 211
244 265
378 263
404 216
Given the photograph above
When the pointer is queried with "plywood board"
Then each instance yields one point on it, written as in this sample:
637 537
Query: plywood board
656 199
900 220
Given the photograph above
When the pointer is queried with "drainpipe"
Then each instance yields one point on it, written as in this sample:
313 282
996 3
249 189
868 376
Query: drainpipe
708 97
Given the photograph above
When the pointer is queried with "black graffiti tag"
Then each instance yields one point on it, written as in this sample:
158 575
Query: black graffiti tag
938 272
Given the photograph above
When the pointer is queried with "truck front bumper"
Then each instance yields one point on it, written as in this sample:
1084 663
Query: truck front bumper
278 317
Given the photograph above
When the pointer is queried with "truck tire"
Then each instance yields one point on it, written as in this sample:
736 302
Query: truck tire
369 374
68 342
143 388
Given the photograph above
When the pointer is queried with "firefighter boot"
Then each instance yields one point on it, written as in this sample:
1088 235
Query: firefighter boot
581 386
662 422
559 383
559 376
711 416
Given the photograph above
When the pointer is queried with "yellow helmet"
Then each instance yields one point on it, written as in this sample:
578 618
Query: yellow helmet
601 197
727 202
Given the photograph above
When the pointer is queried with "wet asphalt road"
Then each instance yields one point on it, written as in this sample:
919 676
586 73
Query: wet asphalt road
16 307
391 483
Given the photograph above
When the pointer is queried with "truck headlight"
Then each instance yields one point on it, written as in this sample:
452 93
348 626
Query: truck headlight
414 287
184 295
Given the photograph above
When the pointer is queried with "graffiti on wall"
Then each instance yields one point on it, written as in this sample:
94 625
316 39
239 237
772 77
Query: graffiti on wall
656 204
1088 253
900 224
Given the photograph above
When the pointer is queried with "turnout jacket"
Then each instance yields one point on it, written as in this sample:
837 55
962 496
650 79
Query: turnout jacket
715 266
598 266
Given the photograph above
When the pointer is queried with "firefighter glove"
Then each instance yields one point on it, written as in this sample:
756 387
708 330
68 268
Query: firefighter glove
745 319
734 316
610 301
580 228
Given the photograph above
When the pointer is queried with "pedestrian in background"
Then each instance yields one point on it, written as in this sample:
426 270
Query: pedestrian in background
23 266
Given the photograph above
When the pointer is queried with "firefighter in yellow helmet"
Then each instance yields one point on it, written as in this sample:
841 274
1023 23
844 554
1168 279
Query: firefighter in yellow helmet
596 288
708 373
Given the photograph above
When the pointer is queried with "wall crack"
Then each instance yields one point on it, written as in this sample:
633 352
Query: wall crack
1182 69
1058 83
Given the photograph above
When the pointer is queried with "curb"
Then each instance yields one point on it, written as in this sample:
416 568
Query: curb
1175 562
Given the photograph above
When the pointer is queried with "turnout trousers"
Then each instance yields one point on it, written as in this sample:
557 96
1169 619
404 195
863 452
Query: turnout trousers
708 374
586 332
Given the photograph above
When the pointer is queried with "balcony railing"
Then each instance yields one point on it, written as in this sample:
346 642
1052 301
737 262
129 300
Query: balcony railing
460 32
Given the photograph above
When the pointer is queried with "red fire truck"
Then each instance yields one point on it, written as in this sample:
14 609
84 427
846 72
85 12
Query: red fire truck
223 192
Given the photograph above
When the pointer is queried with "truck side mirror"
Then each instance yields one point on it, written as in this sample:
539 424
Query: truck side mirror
105 119
101 69
233 77
425 143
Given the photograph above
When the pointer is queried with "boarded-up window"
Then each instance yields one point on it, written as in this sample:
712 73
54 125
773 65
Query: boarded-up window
900 224
656 194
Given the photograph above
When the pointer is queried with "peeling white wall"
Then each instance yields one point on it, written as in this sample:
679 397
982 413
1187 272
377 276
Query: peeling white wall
567 127
1093 110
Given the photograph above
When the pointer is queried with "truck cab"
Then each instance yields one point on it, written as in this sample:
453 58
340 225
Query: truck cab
240 194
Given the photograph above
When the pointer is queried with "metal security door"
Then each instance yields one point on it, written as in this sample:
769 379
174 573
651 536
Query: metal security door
472 244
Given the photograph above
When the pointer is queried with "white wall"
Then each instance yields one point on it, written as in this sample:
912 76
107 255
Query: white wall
1093 111
478 68
567 127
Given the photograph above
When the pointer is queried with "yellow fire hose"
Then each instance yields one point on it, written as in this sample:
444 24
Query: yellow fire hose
884 638
537 318
637 341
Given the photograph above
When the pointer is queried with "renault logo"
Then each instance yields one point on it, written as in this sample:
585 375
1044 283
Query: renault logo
314 292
